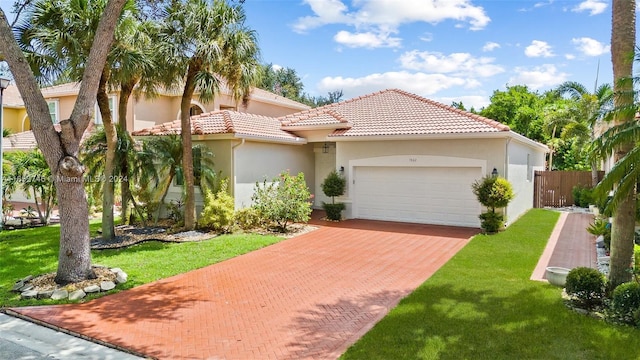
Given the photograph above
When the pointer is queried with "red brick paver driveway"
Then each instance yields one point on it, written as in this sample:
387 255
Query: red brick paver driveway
307 297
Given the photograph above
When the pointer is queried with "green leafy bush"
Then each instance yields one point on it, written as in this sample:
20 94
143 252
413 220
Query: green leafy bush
284 200
625 303
492 192
218 209
248 218
582 196
333 185
587 285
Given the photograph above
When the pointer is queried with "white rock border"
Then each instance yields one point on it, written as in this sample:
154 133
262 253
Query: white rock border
26 290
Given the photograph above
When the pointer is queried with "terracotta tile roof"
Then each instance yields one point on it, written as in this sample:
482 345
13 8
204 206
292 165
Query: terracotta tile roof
11 97
66 89
317 116
242 125
396 112
25 140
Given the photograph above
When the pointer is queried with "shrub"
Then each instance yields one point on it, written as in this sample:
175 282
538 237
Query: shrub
334 211
284 200
587 285
333 185
247 218
582 196
218 209
492 192
625 303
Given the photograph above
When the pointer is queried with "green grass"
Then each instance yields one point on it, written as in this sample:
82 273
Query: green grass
35 251
482 305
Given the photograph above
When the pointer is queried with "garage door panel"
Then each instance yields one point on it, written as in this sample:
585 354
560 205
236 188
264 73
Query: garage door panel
431 195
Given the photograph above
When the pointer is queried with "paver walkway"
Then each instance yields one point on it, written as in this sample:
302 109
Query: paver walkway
307 297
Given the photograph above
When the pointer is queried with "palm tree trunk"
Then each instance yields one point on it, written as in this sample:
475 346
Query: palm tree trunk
126 89
108 227
187 148
622 48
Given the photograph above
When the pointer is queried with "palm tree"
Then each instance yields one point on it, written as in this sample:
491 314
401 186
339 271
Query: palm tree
203 43
167 153
590 108
58 30
623 39
28 171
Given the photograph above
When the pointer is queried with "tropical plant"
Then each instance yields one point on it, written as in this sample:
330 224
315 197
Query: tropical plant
333 185
492 192
219 206
28 171
60 148
284 200
205 45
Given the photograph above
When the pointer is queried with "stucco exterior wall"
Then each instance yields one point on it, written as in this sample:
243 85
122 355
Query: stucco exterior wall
523 160
256 161
149 112
12 120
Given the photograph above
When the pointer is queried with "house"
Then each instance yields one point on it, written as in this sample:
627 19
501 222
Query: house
405 158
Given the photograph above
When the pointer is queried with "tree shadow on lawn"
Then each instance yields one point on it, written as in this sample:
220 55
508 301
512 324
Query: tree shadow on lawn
126 318
444 322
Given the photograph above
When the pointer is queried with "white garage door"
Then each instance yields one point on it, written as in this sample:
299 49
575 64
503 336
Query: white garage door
428 195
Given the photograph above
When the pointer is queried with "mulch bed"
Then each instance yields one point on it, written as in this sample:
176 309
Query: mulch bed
127 235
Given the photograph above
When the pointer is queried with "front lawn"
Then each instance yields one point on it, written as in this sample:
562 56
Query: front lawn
482 305
35 252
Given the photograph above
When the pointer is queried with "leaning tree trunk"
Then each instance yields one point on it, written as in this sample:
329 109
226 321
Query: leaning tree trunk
60 149
187 149
126 89
622 47
108 196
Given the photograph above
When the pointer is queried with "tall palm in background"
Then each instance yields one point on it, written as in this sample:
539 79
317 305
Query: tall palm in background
206 46
589 111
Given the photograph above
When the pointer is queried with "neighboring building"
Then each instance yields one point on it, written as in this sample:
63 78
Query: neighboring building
405 158
14 114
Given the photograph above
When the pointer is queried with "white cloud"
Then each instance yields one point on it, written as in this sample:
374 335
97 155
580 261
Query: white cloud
590 47
569 56
469 101
538 49
490 46
458 64
366 39
418 83
594 7
538 77
385 16
426 37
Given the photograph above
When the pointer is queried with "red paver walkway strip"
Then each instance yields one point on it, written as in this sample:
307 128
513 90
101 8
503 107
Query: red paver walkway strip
307 297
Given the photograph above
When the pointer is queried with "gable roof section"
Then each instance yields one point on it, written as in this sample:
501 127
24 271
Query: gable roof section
11 97
240 125
26 140
394 112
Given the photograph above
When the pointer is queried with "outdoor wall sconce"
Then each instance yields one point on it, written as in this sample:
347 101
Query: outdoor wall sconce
341 170
494 173
325 148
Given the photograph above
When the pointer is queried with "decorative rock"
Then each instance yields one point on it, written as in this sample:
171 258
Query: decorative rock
107 285
18 285
60 294
29 294
27 278
600 242
77 295
92 289
116 270
45 294
26 287
121 277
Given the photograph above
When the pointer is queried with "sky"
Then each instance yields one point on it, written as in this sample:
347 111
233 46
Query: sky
444 50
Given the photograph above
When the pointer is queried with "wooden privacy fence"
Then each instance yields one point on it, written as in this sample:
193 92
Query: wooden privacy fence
554 188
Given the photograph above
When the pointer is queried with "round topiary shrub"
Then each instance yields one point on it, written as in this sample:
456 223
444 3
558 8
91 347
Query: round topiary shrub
333 185
492 192
586 285
625 303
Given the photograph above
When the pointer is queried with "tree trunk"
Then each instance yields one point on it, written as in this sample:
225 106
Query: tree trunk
622 49
126 89
187 148
60 149
108 197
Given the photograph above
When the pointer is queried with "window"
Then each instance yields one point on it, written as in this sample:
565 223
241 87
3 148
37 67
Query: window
54 111
197 169
529 168
112 109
